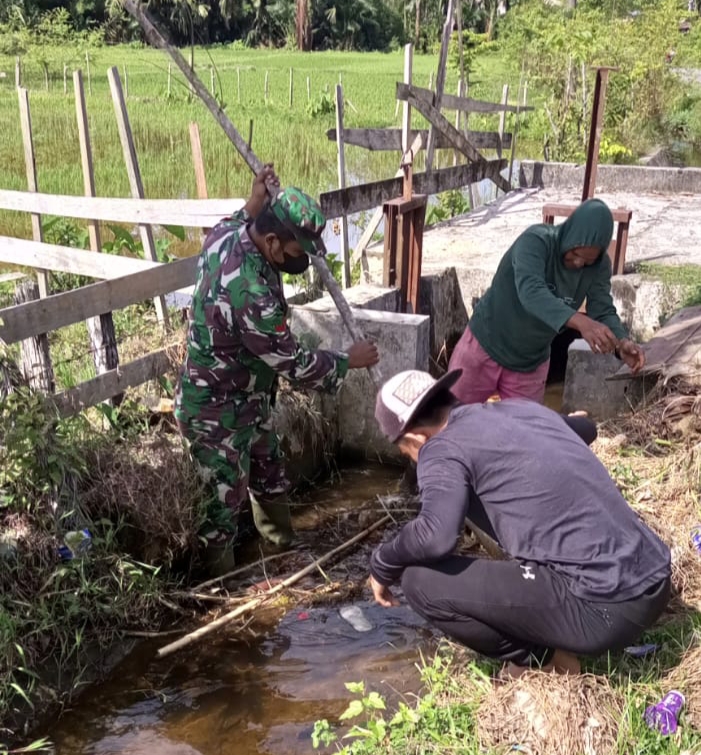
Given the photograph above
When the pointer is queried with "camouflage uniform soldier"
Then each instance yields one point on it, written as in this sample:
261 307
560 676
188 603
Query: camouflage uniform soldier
239 343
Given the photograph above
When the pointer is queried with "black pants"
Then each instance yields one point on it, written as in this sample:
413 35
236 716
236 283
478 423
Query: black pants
520 612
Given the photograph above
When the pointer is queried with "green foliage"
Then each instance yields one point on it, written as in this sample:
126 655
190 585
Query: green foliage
557 50
37 455
322 106
435 724
450 203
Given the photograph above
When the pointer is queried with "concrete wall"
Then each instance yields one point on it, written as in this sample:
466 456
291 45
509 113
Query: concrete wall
612 178
403 342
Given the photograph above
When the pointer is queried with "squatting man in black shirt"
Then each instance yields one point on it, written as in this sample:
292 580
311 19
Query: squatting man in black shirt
582 574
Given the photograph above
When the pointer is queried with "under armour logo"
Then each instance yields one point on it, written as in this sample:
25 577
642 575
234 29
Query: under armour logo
527 572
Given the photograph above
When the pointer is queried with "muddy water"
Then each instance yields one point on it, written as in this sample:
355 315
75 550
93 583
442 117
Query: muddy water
247 694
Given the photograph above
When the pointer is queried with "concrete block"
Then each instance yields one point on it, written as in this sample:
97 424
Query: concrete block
403 342
644 303
611 178
364 296
441 299
586 386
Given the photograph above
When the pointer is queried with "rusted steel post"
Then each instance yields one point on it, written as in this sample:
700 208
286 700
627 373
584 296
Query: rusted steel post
597 117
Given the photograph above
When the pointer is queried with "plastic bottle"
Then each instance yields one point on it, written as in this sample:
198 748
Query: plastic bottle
75 544
356 618
664 715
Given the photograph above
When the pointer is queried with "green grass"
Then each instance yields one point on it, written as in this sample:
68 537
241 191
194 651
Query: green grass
290 137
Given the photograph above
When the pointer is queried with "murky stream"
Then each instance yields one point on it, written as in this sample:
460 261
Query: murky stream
241 694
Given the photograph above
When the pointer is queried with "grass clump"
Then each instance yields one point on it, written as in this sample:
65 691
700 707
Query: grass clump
134 487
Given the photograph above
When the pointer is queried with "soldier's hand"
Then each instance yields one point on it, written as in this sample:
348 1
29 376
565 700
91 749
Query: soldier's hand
362 354
265 178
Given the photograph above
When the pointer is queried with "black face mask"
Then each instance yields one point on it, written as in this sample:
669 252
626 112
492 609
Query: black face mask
293 265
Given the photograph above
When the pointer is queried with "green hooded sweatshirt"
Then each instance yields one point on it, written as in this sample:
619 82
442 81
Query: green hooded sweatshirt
533 294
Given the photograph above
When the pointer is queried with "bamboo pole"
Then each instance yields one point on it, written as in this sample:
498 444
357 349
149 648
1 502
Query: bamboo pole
203 631
254 163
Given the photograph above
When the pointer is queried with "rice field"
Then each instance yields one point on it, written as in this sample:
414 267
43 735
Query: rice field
290 135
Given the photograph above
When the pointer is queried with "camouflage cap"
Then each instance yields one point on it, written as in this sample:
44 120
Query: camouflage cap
303 217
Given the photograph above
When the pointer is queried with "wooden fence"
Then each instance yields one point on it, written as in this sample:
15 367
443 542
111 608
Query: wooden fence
124 281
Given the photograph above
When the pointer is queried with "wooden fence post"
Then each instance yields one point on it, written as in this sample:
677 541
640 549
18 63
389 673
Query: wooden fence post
126 82
36 359
135 182
406 107
265 88
502 127
211 80
31 168
309 89
342 184
170 76
18 73
238 85
65 78
291 85
198 164
103 341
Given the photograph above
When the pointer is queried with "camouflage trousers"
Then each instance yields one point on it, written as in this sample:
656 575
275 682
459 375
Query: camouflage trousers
234 455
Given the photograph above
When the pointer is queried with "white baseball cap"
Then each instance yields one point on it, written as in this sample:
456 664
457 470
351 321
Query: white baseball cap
404 395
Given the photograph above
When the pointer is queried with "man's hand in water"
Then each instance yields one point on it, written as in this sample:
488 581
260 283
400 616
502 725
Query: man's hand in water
383 595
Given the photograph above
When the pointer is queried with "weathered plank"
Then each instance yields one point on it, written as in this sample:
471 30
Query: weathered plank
675 349
64 309
190 213
112 383
390 139
466 104
65 259
369 195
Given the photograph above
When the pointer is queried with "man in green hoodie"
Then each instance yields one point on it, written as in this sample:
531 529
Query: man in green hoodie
536 292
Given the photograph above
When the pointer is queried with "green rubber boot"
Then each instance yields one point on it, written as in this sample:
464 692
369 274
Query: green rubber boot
218 556
272 519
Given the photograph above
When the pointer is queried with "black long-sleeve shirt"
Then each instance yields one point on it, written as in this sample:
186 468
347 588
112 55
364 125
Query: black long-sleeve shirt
546 495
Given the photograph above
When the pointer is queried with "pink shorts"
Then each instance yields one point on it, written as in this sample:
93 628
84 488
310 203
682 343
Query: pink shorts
482 377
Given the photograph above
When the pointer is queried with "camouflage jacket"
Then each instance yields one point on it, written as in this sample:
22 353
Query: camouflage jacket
238 339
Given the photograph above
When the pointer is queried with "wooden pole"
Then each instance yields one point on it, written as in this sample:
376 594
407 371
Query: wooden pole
309 89
406 111
100 329
461 89
134 174
342 184
193 637
126 82
265 88
18 73
291 85
211 80
502 125
46 77
238 85
514 136
198 161
65 78
170 76
31 169
191 66
252 160
36 359
440 81
250 132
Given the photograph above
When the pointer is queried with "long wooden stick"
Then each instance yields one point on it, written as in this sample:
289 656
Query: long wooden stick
154 36
189 639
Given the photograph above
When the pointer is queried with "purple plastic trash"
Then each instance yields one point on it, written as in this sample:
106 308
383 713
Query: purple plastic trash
696 537
641 651
665 715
